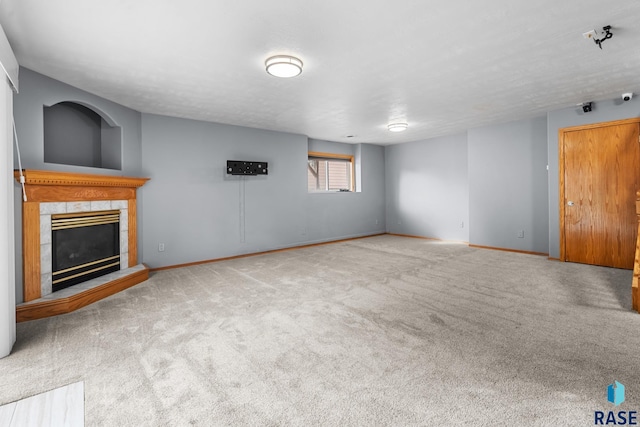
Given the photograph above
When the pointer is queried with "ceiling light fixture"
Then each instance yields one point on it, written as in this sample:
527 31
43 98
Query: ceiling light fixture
397 127
283 66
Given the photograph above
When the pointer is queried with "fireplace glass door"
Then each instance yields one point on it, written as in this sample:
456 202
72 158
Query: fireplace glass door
84 246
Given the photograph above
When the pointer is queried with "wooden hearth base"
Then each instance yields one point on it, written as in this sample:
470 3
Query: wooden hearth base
53 306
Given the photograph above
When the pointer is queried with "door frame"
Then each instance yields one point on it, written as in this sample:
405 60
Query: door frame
561 134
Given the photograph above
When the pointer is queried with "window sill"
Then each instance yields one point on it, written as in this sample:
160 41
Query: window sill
331 192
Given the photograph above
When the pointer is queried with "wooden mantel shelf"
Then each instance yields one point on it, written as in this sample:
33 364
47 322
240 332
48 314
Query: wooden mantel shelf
36 177
53 186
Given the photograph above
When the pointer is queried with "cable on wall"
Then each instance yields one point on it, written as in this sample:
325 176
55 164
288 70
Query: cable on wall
243 182
22 180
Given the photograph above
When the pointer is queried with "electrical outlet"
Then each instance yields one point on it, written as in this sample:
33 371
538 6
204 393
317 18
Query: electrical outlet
520 234
462 224
377 221
160 247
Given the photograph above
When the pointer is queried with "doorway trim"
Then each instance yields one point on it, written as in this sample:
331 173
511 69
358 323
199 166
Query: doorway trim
561 134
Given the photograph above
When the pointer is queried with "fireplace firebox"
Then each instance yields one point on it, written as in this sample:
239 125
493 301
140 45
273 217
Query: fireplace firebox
84 246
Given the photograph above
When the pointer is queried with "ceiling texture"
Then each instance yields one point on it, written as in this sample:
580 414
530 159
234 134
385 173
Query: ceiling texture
442 66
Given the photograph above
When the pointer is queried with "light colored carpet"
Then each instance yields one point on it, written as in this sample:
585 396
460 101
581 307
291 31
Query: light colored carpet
385 330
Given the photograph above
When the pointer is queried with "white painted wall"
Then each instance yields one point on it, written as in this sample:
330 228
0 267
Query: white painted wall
7 253
7 250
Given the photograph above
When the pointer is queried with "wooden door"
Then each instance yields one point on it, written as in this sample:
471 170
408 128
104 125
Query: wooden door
601 177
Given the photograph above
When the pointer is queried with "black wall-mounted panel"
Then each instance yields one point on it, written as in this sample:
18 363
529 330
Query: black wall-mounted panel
240 167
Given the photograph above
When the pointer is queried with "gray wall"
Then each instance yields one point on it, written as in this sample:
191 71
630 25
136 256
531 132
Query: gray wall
200 213
111 145
427 188
37 91
321 146
77 135
72 135
491 179
335 215
508 185
603 111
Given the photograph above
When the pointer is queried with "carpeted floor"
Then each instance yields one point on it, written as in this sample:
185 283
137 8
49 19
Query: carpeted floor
385 330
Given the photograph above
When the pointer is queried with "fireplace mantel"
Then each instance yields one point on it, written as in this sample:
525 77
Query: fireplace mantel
74 189
34 178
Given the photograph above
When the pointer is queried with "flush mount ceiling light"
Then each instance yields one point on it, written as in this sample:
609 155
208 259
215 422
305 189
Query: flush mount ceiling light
283 66
397 127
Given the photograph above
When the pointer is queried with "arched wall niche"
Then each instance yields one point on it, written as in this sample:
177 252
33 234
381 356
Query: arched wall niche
78 134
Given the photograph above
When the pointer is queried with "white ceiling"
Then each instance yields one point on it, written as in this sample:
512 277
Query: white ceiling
443 66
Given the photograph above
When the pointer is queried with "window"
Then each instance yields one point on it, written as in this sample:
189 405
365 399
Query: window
330 172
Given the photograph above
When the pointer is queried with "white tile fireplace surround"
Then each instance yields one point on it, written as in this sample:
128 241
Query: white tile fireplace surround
54 193
53 208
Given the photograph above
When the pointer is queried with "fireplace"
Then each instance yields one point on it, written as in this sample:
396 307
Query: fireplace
69 223
84 246
58 203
